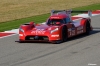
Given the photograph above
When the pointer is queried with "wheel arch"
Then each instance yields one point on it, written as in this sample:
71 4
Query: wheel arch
85 21
65 30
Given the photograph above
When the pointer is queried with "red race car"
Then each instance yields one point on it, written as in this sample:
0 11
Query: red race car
58 28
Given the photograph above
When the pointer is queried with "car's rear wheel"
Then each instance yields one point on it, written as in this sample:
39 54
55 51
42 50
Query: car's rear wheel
87 28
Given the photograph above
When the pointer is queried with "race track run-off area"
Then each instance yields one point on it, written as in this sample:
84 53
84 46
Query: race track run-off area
78 51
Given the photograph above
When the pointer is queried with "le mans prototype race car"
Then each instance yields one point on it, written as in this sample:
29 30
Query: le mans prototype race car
58 27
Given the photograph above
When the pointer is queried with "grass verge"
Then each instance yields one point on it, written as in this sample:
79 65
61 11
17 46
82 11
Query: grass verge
38 19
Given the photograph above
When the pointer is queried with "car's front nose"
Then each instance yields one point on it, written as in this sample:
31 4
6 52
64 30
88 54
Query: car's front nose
40 34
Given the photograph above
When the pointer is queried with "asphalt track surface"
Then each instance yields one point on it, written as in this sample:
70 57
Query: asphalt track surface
78 51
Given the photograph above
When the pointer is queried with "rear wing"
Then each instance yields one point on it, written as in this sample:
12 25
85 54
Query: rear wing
68 12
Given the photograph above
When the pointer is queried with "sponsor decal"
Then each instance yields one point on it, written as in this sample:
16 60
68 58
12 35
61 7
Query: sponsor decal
38 31
80 30
71 31
54 35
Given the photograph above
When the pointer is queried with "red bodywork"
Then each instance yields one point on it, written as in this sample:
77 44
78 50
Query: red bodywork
53 31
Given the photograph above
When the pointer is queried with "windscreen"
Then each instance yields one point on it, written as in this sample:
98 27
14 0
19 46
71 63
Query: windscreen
53 21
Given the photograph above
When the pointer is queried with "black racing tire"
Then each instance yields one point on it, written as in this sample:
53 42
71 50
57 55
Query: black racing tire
87 28
64 34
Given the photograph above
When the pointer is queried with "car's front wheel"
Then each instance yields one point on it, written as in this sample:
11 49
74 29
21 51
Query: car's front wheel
64 34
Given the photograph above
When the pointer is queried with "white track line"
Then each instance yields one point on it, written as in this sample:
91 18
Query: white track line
8 36
13 31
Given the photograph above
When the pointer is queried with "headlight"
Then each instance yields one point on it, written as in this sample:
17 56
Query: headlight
21 30
56 29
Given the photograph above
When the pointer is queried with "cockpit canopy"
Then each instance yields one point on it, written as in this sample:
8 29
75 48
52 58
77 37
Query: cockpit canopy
61 21
54 21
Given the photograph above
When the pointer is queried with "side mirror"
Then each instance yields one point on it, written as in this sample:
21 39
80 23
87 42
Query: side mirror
58 23
32 23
